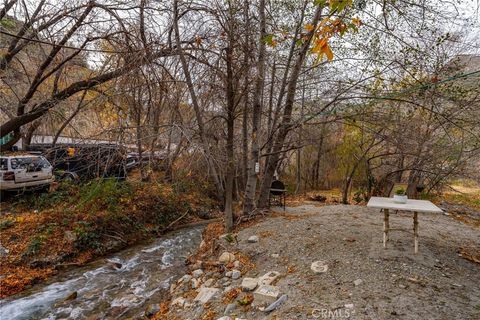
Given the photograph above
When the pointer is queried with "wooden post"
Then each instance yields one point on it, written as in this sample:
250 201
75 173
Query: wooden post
415 230
385 228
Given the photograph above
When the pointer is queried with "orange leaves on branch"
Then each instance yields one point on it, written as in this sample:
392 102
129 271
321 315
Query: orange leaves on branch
309 27
356 21
322 48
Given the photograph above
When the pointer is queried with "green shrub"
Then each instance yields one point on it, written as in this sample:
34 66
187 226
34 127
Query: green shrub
104 194
35 245
7 223
87 237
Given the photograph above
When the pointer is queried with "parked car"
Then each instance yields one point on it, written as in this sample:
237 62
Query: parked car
86 161
24 171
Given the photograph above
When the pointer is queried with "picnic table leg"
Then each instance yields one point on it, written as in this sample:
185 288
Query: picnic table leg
385 227
415 230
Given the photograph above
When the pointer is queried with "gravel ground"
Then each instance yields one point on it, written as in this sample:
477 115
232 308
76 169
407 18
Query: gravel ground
363 280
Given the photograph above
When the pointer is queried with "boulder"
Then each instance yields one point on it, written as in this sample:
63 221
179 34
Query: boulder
3 251
210 282
195 283
180 302
266 295
186 278
268 278
70 236
226 257
197 273
249 284
236 274
229 308
205 294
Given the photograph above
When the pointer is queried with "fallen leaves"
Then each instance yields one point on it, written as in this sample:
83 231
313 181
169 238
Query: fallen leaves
470 254
231 295
19 278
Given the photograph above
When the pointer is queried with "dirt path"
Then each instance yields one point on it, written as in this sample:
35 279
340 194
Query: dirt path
390 284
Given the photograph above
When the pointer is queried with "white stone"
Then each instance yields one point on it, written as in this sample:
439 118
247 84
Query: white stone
237 264
319 267
228 274
226 257
180 301
197 273
249 284
205 294
349 306
185 278
195 283
225 318
253 239
275 255
357 282
265 294
209 282
268 278
236 274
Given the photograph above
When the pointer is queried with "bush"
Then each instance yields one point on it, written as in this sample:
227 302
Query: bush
7 223
87 237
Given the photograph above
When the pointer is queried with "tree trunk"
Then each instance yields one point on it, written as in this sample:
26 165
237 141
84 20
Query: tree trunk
287 115
251 187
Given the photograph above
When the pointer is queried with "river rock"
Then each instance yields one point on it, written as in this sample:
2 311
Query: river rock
357 282
268 278
226 257
71 296
210 282
180 302
186 278
266 294
276 304
249 284
205 294
229 308
237 264
197 273
228 274
253 239
319 267
236 274
3 251
70 236
195 283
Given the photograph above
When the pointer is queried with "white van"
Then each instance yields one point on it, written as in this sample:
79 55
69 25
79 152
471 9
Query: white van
24 171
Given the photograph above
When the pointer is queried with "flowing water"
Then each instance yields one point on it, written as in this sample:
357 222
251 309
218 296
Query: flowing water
120 286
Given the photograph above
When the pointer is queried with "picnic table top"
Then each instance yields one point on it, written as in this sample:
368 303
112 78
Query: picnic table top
411 205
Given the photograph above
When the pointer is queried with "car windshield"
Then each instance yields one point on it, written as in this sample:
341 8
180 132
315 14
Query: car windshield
3 164
30 163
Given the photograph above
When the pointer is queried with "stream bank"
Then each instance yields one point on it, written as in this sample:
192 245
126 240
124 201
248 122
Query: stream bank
328 262
127 284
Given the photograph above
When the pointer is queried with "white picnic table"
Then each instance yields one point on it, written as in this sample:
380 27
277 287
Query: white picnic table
412 205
